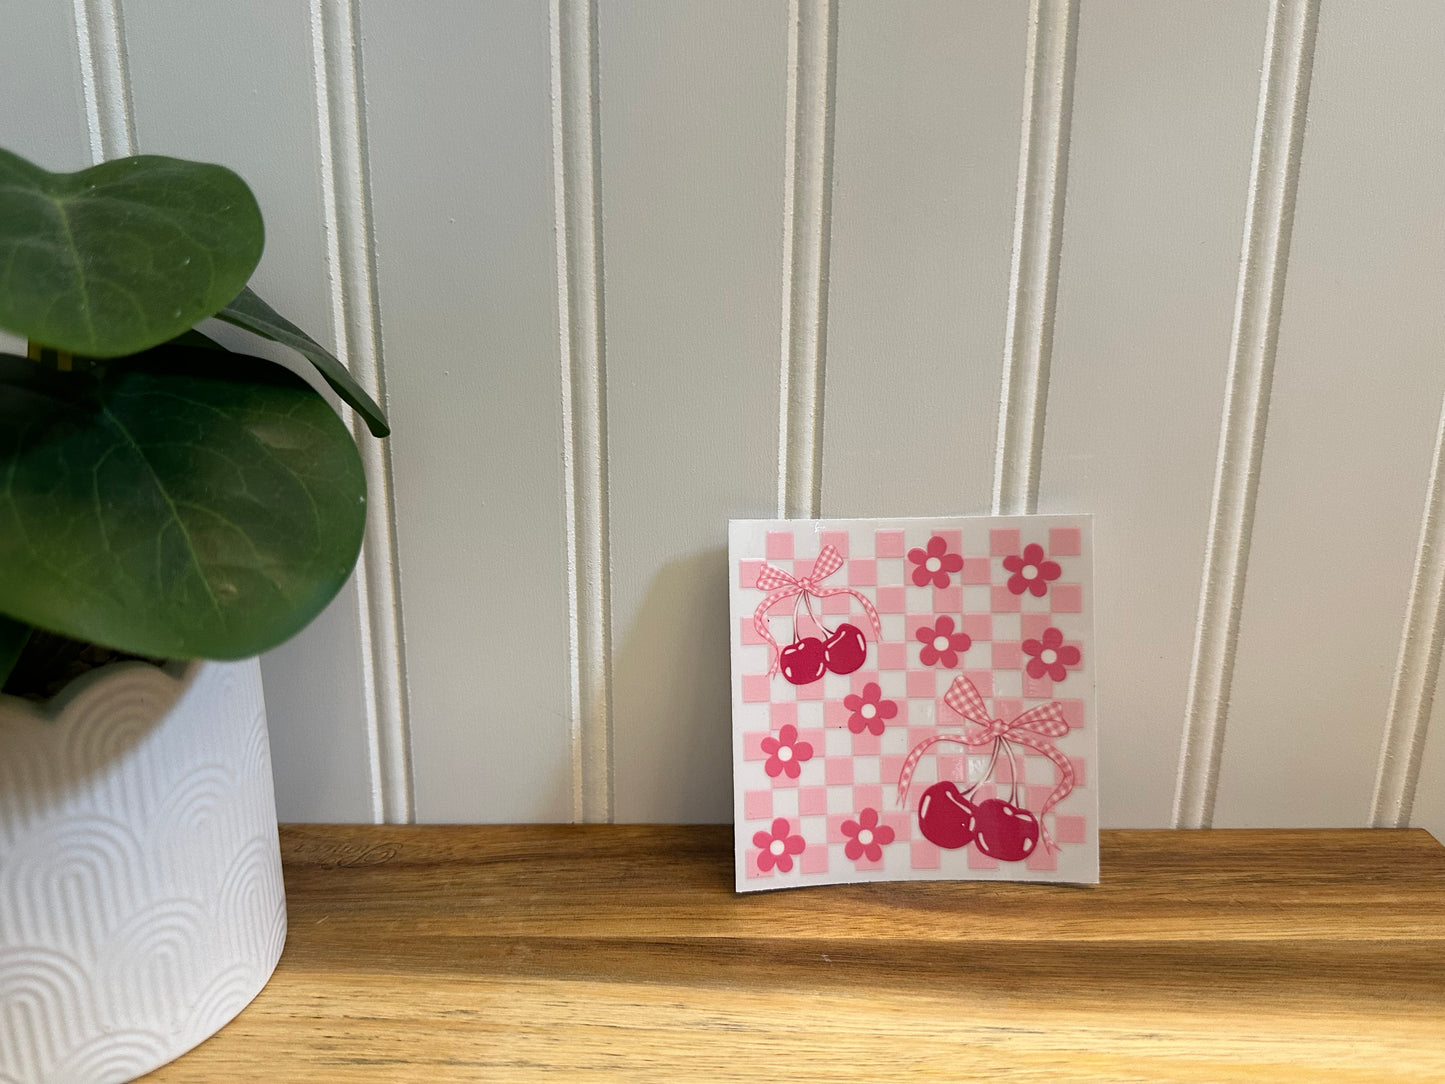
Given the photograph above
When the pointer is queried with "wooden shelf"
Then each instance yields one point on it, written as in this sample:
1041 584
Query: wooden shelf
621 952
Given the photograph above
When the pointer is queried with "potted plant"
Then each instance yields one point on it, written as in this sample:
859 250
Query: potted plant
162 498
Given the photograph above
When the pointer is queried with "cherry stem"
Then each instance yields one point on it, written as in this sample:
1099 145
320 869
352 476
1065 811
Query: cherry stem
988 771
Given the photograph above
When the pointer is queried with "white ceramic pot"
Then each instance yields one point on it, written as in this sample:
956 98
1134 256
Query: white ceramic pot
141 903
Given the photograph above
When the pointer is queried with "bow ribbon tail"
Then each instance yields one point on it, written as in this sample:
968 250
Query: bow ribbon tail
1061 789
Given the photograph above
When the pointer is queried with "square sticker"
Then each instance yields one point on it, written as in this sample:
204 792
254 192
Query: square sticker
959 726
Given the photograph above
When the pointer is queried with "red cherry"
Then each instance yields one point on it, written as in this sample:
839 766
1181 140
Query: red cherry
1006 832
802 661
946 817
845 650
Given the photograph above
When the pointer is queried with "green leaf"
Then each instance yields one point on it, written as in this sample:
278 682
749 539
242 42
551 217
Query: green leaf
122 256
13 637
253 314
181 503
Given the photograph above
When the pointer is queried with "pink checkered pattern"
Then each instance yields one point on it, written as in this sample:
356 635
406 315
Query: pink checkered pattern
850 768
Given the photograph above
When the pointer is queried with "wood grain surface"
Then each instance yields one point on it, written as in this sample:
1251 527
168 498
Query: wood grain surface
621 952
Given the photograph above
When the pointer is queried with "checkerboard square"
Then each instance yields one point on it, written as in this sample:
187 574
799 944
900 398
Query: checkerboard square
952 539
1067 598
891 600
868 796
748 573
923 855
900 822
867 745
835 714
838 770
978 860
753 745
866 863
890 768
1079 771
947 600
1073 713
978 626
982 681
835 827
1035 625
953 766
1042 858
858 680
779 546
862 572
812 801
814 737
1070 829
757 688
1004 542
1007 656
1037 795
837 539
837 604
922 683
1064 542
748 632
1038 688
757 804
782 713
811 691
1005 601
888 544
977 570
893 656
814 859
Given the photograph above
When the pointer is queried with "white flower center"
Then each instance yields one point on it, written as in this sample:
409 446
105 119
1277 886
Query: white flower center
865 837
940 643
1048 656
777 846
868 710
1029 572
785 753
933 564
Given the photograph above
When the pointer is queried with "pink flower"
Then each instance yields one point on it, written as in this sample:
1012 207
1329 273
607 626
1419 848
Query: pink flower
866 837
785 752
935 563
941 644
1030 571
1051 656
776 847
870 711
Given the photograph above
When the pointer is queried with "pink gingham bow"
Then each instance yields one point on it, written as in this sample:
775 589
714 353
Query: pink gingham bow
1033 728
784 585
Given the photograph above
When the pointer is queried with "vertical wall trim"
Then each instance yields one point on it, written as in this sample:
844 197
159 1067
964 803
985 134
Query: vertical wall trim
807 214
105 78
1269 218
356 324
1412 696
577 191
1038 239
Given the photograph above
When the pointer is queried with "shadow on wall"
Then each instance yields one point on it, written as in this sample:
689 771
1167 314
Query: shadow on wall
672 700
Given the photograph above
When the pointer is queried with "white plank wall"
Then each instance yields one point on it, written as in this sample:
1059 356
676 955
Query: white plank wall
623 270
460 137
1357 390
692 106
1150 263
922 225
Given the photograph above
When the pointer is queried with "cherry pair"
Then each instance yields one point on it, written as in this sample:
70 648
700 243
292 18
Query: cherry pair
806 659
1001 830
